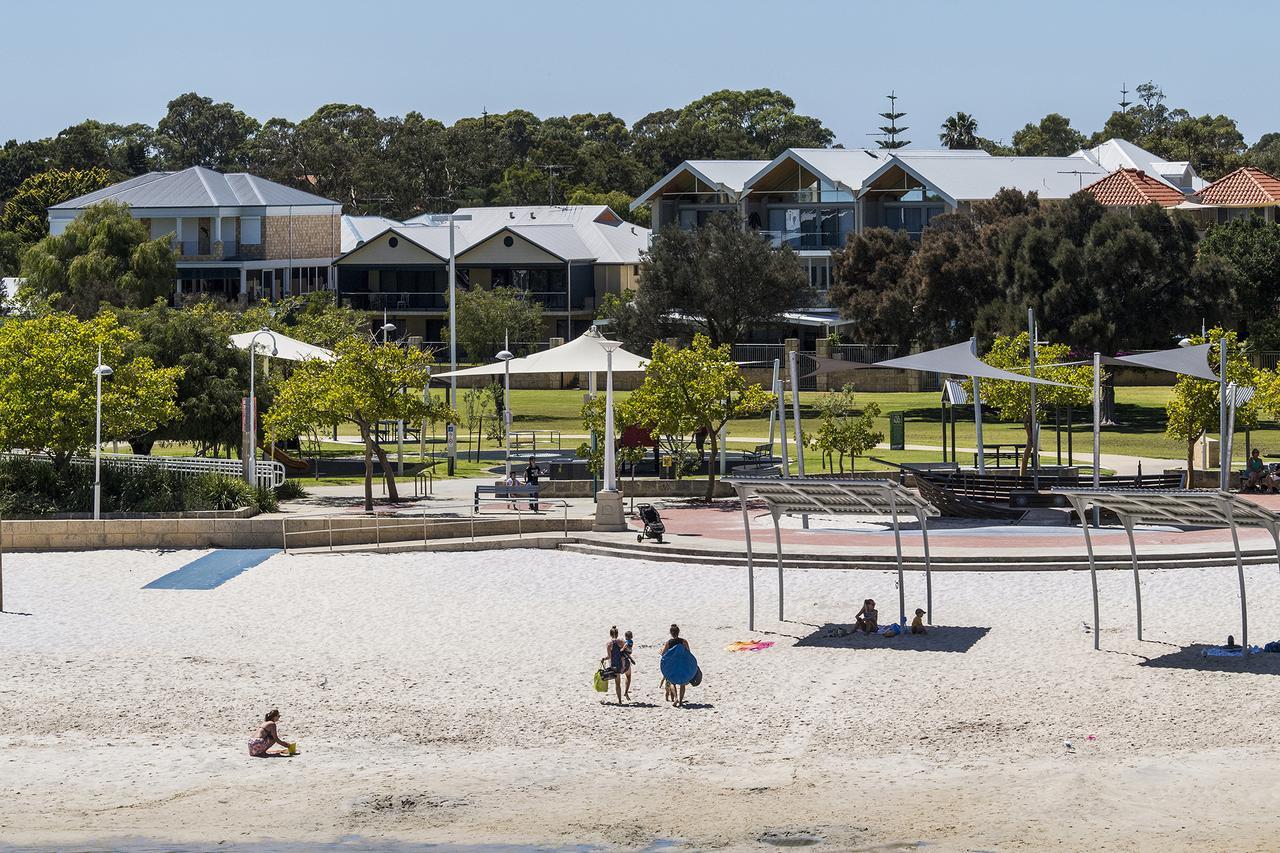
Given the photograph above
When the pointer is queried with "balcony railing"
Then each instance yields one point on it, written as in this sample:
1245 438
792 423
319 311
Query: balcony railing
396 301
806 240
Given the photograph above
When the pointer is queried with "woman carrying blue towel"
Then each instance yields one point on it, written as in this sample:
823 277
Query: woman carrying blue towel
675 692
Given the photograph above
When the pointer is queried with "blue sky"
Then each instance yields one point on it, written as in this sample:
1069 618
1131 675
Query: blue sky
1005 62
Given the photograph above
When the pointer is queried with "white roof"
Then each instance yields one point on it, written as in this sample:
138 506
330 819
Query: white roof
1117 154
726 176
591 232
583 354
286 347
973 178
197 187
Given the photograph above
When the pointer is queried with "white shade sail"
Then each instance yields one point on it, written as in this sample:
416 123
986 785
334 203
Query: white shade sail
285 346
959 360
1189 361
583 354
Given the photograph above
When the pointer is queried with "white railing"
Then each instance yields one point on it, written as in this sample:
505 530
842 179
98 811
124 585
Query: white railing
269 474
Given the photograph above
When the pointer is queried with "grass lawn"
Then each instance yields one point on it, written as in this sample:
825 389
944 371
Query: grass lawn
1139 430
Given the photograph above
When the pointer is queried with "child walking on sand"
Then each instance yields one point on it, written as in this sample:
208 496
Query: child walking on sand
268 737
627 662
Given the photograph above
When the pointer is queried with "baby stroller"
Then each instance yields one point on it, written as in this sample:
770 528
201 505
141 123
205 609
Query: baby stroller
653 526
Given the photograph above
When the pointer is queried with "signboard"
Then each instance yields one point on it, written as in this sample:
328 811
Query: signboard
897 431
451 439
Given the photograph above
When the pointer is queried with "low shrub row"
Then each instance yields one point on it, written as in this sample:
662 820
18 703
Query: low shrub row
30 488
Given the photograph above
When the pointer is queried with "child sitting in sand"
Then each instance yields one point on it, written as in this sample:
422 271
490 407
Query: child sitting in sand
269 737
865 621
917 624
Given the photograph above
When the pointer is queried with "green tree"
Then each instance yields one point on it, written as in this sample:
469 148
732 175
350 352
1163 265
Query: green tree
867 286
11 249
1252 246
48 389
343 148
1192 409
1013 399
959 131
26 213
365 383
105 257
636 329
215 376
841 432
593 422
1265 153
698 387
197 132
1053 136
618 201
488 319
725 278
313 318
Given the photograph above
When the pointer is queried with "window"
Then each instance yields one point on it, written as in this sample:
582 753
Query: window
251 230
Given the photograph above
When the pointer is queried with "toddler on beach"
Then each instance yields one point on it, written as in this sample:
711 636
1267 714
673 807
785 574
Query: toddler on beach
917 624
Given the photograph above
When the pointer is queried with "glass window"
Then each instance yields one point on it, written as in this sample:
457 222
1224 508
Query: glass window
251 230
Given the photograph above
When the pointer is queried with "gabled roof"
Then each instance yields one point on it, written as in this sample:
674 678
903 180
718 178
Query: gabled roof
725 176
1131 188
976 178
844 167
1247 186
1122 154
197 187
358 230
434 241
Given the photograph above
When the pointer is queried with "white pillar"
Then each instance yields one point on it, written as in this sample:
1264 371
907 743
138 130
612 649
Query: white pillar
244 285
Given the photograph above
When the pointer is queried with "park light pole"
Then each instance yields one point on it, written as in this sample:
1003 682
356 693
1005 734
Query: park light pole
253 400
100 371
610 461
505 357
451 219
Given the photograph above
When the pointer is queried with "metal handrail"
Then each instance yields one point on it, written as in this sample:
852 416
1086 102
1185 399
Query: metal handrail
413 521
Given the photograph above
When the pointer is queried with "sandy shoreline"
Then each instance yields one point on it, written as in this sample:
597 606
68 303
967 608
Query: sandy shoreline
446 699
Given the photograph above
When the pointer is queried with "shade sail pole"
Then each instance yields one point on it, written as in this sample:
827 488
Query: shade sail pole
780 389
795 414
773 415
1223 479
1034 438
1127 521
751 580
1097 431
777 540
897 545
928 566
977 413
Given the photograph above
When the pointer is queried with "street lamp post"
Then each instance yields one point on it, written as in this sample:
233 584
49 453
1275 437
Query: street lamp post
451 219
100 371
609 499
505 357
253 400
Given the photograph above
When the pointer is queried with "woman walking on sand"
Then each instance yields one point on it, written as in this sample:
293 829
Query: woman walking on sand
615 656
675 692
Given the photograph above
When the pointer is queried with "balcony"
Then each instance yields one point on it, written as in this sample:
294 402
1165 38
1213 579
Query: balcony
806 240
422 302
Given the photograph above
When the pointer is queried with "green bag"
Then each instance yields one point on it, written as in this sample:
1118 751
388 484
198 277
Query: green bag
601 684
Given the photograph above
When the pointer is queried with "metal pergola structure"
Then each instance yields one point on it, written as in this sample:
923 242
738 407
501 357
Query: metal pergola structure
1178 507
833 496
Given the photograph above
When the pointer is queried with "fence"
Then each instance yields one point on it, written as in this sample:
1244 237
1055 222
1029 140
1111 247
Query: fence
394 522
269 474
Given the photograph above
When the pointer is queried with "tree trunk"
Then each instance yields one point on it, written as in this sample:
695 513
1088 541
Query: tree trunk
368 468
711 467
387 473
1191 461
1026 450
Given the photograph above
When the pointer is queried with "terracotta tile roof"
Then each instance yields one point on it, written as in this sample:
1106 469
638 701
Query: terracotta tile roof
1247 186
1131 187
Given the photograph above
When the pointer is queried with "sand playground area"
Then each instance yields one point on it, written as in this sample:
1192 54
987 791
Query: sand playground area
447 699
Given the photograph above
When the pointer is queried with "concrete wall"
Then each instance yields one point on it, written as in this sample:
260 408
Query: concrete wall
304 532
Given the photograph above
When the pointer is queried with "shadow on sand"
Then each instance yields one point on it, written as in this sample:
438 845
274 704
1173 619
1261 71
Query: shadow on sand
1193 657
941 638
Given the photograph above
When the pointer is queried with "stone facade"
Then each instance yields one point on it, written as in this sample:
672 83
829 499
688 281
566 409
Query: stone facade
311 237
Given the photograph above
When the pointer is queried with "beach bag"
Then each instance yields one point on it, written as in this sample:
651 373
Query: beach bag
600 683
697 678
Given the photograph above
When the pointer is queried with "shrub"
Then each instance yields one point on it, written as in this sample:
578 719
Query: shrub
290 490
219 492
265 499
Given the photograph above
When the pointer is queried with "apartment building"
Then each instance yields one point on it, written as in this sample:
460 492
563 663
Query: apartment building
237 236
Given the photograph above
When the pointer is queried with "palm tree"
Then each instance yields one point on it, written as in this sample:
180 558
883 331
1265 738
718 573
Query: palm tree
960 131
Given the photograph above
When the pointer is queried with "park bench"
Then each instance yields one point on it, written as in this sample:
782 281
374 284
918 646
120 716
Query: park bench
501 491
1008 495
999 454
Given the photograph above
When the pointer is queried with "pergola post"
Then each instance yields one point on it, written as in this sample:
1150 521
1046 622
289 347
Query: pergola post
928 567
751 580
897 545
1093 568
1127 521
777 539
1244 604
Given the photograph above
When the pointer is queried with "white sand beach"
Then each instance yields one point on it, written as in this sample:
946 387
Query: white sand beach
448 698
